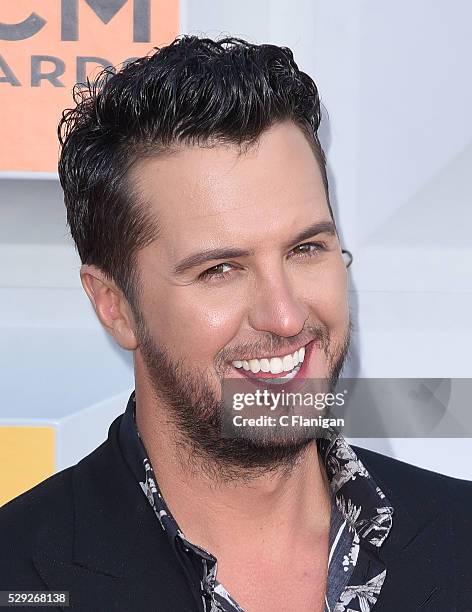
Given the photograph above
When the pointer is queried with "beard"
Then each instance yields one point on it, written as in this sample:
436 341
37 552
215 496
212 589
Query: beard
196 411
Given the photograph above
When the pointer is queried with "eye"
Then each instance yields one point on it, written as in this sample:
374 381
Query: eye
216 272
309 249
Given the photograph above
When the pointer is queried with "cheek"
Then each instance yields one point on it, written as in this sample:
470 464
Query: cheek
327 295
194 324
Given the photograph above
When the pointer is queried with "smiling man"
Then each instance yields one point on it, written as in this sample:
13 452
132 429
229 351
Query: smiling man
196 193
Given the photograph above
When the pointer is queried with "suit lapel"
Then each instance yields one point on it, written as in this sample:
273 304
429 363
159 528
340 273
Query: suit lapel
88 590
418 557
419 567
118 557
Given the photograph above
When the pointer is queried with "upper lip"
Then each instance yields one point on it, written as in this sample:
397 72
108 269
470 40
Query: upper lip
280 353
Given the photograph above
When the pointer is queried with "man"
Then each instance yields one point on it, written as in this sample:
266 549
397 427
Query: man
196 193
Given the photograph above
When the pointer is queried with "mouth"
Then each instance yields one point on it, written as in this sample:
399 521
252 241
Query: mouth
276 370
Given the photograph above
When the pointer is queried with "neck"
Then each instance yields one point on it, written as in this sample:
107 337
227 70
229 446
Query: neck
283 508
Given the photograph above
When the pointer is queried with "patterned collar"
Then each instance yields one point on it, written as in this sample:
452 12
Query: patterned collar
361 519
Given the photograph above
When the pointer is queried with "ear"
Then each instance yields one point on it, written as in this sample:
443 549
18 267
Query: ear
110 305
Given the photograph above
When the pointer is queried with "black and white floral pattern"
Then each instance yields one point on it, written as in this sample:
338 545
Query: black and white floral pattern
364 595
360 513
367 515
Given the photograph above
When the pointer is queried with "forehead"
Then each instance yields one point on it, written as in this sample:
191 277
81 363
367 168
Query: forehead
202 196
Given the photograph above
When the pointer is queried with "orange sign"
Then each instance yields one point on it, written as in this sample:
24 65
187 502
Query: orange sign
47 46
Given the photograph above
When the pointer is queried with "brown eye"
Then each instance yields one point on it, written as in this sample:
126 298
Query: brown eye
215 272
308 249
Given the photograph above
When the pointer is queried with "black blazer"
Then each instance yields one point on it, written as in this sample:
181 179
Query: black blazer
90 530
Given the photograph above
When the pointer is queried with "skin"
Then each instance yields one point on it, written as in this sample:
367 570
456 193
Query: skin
279 296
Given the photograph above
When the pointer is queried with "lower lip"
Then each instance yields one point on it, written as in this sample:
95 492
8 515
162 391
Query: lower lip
266 380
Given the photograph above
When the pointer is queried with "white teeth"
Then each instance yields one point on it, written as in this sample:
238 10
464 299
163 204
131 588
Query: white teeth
265 365
287 362
276 365
255 366
288 376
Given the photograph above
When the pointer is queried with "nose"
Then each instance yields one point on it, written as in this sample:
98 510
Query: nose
275 307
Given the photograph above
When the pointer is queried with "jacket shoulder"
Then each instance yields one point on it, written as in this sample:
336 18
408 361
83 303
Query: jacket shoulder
414 485
431 535
43 511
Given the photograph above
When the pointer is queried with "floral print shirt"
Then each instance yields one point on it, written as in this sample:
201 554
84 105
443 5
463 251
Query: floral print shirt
361 519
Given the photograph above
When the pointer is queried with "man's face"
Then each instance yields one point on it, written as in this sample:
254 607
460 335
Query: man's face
236 273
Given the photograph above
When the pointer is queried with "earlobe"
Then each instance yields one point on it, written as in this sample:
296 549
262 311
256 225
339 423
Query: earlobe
110 305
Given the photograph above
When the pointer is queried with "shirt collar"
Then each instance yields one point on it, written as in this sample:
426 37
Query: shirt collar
362 503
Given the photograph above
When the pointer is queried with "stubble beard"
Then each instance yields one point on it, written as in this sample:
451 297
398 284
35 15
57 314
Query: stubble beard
195 412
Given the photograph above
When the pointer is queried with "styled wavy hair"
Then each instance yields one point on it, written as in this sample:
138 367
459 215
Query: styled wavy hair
192 91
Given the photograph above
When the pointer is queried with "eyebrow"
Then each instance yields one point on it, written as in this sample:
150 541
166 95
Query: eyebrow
197 259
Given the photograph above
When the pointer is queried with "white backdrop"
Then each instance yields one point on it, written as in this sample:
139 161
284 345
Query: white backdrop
394 80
